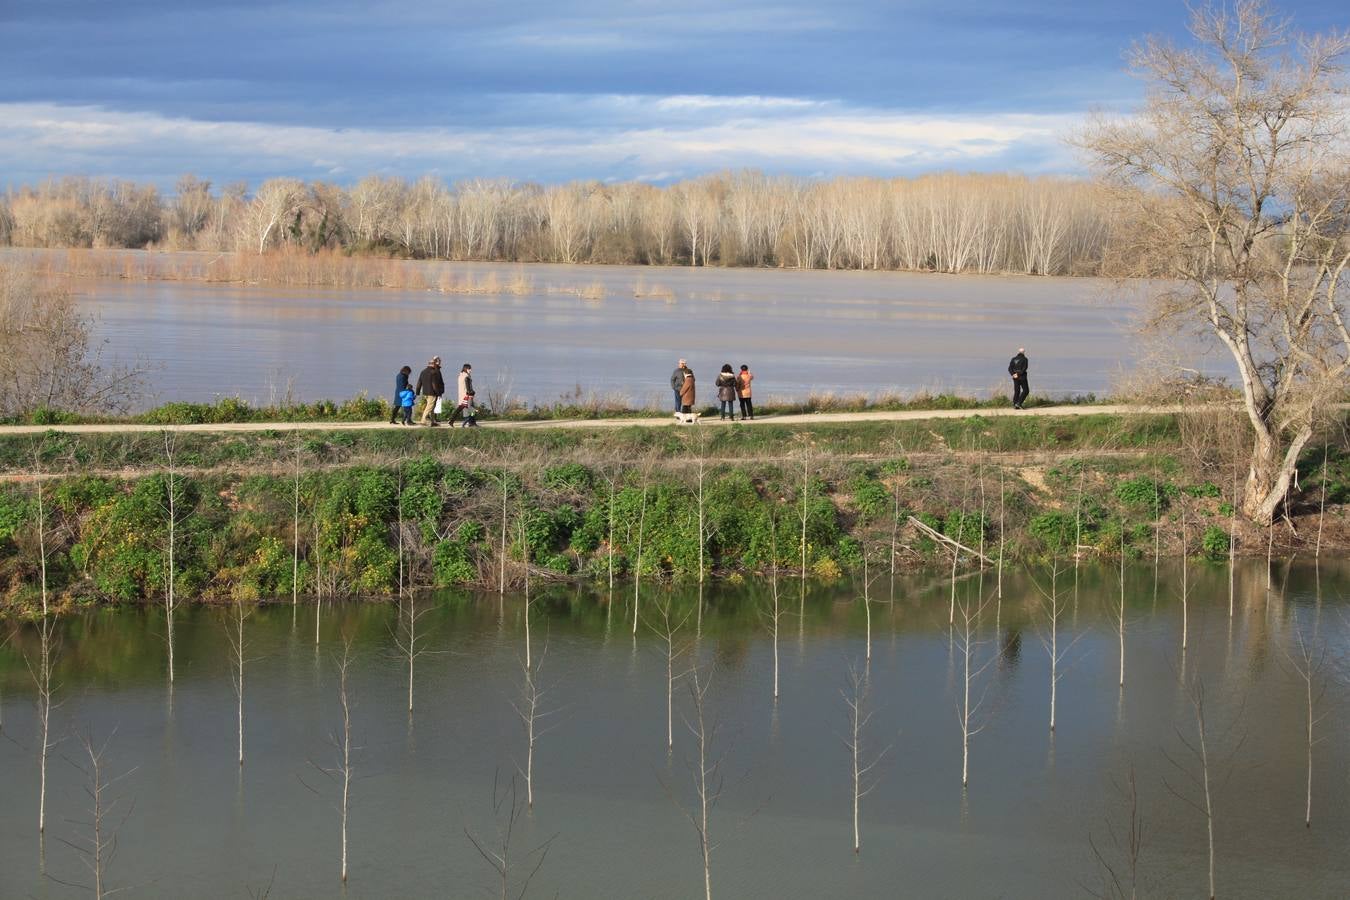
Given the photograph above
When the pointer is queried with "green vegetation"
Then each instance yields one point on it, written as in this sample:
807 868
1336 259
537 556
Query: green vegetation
364 408
567 492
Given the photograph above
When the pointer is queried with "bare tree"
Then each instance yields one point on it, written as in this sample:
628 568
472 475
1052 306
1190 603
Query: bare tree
42 524
170 574
637 564
860 764
46 344
500 854
805 515
295 535
1235 172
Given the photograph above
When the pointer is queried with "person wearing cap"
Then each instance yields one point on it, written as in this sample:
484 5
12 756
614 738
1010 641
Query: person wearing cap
431 386
677 381
1017 368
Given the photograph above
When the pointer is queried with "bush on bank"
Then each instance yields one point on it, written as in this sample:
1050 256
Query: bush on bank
238 534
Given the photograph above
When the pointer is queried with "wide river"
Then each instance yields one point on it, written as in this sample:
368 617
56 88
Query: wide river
800 332
610 801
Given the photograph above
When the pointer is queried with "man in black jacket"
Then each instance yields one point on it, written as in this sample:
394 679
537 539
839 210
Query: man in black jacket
431 386
1017 368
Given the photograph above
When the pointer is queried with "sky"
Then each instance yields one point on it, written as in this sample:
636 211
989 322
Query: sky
531 90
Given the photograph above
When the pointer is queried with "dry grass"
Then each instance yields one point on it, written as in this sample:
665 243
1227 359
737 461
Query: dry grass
283 267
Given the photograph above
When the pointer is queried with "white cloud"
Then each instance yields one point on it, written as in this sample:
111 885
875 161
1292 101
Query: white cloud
644 137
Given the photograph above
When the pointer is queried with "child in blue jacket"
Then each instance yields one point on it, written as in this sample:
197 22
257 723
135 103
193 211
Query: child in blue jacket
405 402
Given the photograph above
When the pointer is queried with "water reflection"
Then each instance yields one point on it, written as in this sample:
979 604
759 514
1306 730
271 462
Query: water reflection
604 783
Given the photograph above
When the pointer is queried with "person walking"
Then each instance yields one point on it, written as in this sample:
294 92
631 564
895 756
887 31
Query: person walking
677 381
464 389
726 392
400 385
743 391
687 396
406 398
1017 368
431 387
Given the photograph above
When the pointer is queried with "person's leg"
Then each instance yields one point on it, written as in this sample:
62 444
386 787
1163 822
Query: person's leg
749 406
393 413
1016 389
454 415
429 410
407 415
677 401
1026 389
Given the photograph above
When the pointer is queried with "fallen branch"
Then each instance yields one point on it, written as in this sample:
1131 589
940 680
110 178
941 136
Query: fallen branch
939 536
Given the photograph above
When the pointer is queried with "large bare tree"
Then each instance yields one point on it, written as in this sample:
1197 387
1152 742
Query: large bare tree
1237 174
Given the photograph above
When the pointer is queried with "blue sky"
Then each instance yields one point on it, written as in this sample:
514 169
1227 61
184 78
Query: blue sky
550 91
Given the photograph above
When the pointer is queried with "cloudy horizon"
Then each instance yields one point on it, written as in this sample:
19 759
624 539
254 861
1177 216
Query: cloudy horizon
235 90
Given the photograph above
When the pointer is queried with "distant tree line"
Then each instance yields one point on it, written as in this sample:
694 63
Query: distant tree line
943 222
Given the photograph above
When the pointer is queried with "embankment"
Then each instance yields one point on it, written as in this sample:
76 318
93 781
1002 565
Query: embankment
276 513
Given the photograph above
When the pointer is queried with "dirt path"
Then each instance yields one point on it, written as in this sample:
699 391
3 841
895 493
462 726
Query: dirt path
651 422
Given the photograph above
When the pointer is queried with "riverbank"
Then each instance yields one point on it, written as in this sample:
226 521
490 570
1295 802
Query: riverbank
277 513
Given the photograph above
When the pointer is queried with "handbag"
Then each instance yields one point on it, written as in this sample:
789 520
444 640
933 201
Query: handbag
437 408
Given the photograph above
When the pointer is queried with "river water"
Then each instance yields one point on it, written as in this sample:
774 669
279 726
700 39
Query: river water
800 332
610 797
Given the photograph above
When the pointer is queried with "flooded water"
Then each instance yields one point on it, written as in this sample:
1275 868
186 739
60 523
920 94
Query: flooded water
800 332
610 797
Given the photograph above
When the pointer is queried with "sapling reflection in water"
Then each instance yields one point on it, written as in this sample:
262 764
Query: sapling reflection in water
860 765
1056 647
1308 661
96 838
340 773
514 869
1203 767
970 704
46 691
234 633
667 628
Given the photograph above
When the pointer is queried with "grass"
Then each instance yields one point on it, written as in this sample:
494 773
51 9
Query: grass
577 404
276 448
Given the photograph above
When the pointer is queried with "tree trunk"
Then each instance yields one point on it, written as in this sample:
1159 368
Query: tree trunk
1270 472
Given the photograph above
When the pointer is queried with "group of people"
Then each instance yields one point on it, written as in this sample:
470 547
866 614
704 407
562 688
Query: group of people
731 387
430 386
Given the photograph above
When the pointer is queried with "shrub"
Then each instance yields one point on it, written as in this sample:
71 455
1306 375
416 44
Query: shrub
1054 529
1144 492
1215 542
567 477
451 564
870 497
1206 489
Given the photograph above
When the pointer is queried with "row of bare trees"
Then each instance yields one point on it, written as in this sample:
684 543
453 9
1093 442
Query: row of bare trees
945 222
